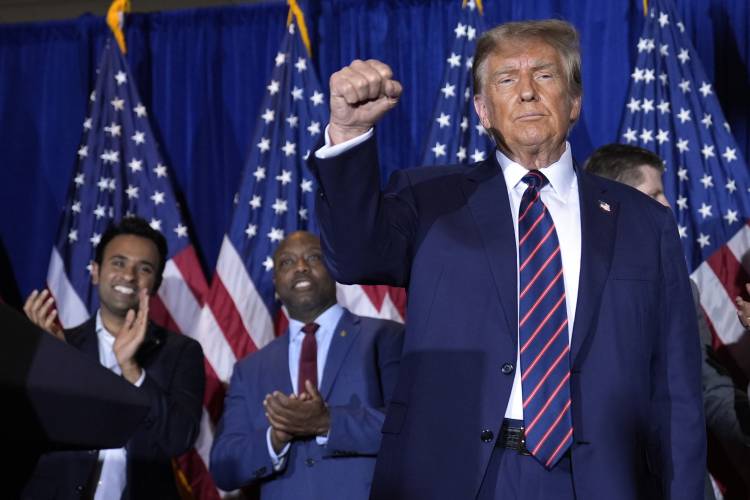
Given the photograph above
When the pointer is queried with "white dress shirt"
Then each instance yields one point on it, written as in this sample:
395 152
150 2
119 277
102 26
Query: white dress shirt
560 196
113 475
327 323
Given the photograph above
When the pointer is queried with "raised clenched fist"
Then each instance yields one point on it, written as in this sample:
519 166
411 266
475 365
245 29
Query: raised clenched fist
361 94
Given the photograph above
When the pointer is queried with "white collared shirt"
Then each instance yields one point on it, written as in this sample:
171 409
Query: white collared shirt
327 323
113 475
560 195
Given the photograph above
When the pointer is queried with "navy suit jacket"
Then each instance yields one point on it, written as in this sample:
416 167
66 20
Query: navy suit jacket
174 384
358 379
447 234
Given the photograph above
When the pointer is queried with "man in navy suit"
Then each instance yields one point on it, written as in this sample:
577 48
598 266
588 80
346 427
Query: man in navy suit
550 343
167 367
303 415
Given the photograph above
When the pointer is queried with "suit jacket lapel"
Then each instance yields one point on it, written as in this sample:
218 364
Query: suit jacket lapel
598 228
343 338
487 197
83 338
154 340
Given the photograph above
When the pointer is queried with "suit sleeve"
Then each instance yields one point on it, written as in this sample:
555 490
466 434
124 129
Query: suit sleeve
676 368
174 418
239 455
356 428
366 234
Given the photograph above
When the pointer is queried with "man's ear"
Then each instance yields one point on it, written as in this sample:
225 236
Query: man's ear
575 108
94 273
480 106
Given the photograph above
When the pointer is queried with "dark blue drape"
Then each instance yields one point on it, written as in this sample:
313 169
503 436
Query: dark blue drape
202 74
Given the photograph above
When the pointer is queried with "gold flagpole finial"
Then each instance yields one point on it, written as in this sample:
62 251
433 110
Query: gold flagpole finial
478 3
115 16
645 7
296 11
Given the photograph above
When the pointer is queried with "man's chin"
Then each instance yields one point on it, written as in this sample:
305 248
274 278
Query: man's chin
121 309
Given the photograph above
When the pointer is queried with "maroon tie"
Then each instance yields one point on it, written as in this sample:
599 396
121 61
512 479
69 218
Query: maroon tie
308 359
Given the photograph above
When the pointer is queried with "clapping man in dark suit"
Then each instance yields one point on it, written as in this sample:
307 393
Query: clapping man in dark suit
303 415
168 367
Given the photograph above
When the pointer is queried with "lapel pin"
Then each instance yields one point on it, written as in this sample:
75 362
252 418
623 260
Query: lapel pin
343 333
604 206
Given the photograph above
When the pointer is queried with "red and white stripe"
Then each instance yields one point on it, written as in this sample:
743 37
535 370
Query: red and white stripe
71 310
373 301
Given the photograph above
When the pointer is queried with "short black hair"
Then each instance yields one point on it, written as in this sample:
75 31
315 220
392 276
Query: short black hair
620 162
137 227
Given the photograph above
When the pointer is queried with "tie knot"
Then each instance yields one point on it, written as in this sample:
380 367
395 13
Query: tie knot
535 179
310 328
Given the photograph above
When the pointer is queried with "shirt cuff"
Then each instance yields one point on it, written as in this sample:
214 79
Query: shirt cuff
279 460
329 151
322 440
140 380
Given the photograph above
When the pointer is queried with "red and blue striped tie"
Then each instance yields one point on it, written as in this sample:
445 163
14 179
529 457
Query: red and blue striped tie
542 329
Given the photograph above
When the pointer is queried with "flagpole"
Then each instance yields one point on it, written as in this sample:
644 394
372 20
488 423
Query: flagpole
296 11
480 8
115 17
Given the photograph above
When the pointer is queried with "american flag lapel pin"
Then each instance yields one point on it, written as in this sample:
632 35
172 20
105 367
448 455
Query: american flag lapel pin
604 206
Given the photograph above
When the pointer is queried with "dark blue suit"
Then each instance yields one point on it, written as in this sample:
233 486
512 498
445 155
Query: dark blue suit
447 234
358 379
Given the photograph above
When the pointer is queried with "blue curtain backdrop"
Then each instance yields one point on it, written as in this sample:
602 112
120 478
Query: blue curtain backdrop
202 74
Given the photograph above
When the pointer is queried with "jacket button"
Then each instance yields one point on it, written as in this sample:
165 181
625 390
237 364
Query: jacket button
79 488
486 436
309 462
507 368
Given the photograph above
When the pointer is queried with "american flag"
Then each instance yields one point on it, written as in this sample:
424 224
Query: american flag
672 109
456 136
121 172
275 198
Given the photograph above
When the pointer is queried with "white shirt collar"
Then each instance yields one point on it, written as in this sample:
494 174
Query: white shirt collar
101 331
560 174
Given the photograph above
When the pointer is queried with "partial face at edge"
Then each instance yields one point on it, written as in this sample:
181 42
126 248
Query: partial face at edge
651 184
